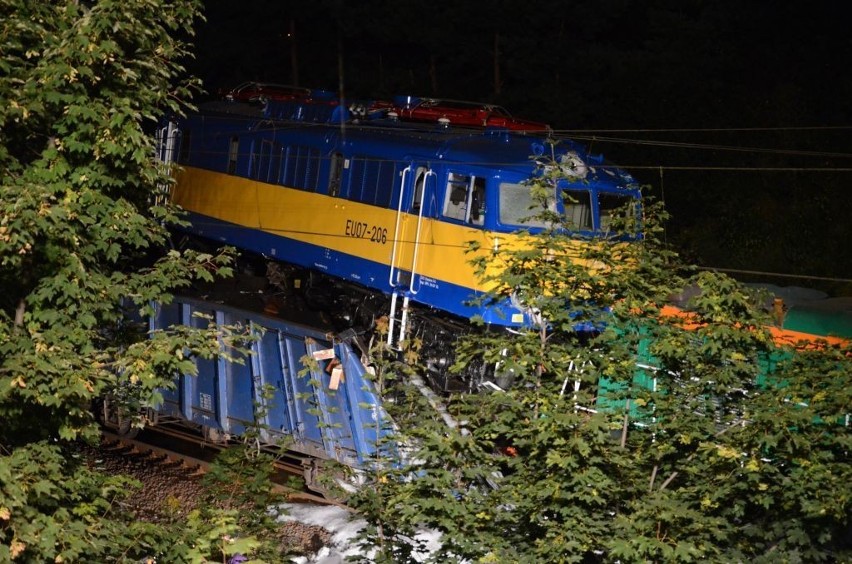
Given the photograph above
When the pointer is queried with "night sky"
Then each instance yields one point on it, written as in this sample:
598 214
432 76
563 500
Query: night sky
760 180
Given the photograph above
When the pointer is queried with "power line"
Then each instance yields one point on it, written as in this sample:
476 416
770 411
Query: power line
741 149
270 123
264 124
710 129
626 167
774 274
734 168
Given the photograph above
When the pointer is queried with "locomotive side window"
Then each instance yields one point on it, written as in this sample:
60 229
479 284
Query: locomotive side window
419 181
185 140
464 199
517 206
578 209
233 153
334 174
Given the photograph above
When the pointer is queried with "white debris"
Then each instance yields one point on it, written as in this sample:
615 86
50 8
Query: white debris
344 527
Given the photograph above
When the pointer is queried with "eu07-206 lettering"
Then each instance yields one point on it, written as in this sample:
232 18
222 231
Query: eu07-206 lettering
361 230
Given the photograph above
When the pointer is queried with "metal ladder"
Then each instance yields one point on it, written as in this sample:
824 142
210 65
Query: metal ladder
394 278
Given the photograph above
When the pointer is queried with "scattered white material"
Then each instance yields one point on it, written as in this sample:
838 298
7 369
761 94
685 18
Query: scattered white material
344 527
342 524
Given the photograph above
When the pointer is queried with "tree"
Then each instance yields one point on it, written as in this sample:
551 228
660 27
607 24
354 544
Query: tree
628 433
83 240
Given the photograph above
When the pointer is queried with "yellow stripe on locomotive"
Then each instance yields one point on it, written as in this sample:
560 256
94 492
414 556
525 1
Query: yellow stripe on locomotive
356 229
390 207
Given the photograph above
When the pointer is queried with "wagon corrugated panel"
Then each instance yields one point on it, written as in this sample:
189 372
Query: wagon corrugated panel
305 412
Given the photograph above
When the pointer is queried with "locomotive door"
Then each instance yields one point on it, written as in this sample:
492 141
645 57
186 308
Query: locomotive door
416 190
417 187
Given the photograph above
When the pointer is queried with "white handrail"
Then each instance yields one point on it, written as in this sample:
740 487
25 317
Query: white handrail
426 176
405 172
392 319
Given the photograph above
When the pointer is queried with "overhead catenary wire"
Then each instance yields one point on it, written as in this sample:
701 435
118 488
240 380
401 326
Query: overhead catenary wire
462 246
774 274
741 149
710 129
587 131
735 168
656 167
583 135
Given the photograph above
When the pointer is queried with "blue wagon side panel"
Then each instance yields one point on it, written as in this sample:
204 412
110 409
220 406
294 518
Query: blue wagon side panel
310 435
326 408
280 416
165 317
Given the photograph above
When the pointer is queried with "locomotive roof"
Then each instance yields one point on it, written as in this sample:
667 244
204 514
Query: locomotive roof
491 147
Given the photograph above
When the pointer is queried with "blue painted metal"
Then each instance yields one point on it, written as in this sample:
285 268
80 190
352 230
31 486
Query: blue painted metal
458 300
223 138
303 412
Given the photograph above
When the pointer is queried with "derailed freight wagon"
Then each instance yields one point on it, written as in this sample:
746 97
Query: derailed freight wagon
804 319
326 410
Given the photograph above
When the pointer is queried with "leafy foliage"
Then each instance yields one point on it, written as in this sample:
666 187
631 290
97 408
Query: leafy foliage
239 483
628 433
240 495
83 233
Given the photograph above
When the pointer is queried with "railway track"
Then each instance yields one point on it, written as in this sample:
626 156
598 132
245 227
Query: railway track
168 446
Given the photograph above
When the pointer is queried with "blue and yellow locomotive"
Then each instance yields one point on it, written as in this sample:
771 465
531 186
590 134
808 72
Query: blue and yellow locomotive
386 206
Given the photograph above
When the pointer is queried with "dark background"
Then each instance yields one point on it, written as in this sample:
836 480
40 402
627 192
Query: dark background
757 175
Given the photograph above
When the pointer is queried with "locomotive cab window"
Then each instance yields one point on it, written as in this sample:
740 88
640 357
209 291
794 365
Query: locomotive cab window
464 199
578 209
419 184
612 206
518 208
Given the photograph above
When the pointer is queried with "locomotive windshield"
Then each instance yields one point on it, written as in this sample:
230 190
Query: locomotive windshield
578 209
610 206
517 208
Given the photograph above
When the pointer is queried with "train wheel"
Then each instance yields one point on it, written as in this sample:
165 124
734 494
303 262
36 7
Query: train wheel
331 480
111 418
125 427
